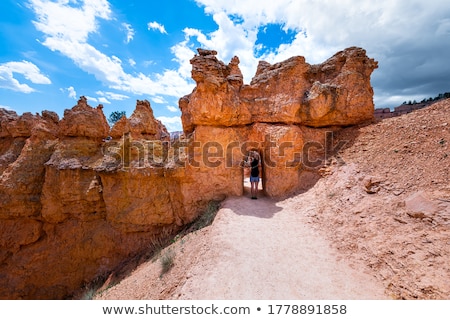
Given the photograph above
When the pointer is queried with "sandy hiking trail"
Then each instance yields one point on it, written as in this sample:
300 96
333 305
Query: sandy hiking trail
255 249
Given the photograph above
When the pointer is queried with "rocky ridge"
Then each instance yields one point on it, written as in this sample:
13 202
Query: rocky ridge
387 202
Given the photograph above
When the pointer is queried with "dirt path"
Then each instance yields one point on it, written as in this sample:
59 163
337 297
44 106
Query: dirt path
255 249
268 251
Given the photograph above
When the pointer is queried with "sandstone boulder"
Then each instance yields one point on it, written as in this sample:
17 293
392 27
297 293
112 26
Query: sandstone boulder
419 205
336 92
215 100
142 124
341 93
84 121
276 91
6 116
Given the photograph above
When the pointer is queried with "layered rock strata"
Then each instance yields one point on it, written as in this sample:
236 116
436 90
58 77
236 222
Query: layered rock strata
75 205
287 113
68 213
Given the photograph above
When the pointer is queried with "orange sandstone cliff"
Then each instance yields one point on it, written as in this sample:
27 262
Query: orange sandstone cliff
287 113
75 205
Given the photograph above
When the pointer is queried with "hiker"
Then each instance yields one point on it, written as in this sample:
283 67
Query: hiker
254 174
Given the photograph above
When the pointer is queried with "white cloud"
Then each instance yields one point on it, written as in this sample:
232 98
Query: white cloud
72 92
61 20
399 34
330 26
130 32
66 30
6 107
183 53
171 123
158 99
112 95
172 109
169 83
103 100
25 68
91 100
116 60
156 26
132 62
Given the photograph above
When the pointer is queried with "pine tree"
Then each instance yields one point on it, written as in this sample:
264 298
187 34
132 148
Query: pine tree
115 116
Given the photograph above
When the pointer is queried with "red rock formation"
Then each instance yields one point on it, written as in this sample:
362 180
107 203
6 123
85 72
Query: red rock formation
336 92
215 100
84 121
27 143
341 93
141 125
57 230
73 206
277 111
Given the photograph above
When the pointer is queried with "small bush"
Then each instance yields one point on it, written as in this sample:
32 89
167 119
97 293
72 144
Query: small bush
206 218
89 294
167 262
161 241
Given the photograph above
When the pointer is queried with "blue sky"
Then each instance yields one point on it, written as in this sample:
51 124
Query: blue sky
115 52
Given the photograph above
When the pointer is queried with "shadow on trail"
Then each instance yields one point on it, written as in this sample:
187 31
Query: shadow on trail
263 207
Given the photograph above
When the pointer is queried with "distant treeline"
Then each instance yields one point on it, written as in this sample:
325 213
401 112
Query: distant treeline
438 97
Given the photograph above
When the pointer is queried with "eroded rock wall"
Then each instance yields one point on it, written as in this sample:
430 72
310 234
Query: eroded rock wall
75 205
287 113
69 211
336 92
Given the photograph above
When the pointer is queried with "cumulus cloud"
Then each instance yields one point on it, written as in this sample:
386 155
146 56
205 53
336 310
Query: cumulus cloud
112 95
410 39
183 53
103 100
91 99
158 99
72 92
71 23
67 26
156 26
24 68
130 32
172 109
6 107
171 123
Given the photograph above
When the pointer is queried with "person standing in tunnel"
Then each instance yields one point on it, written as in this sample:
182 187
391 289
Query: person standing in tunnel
254 174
